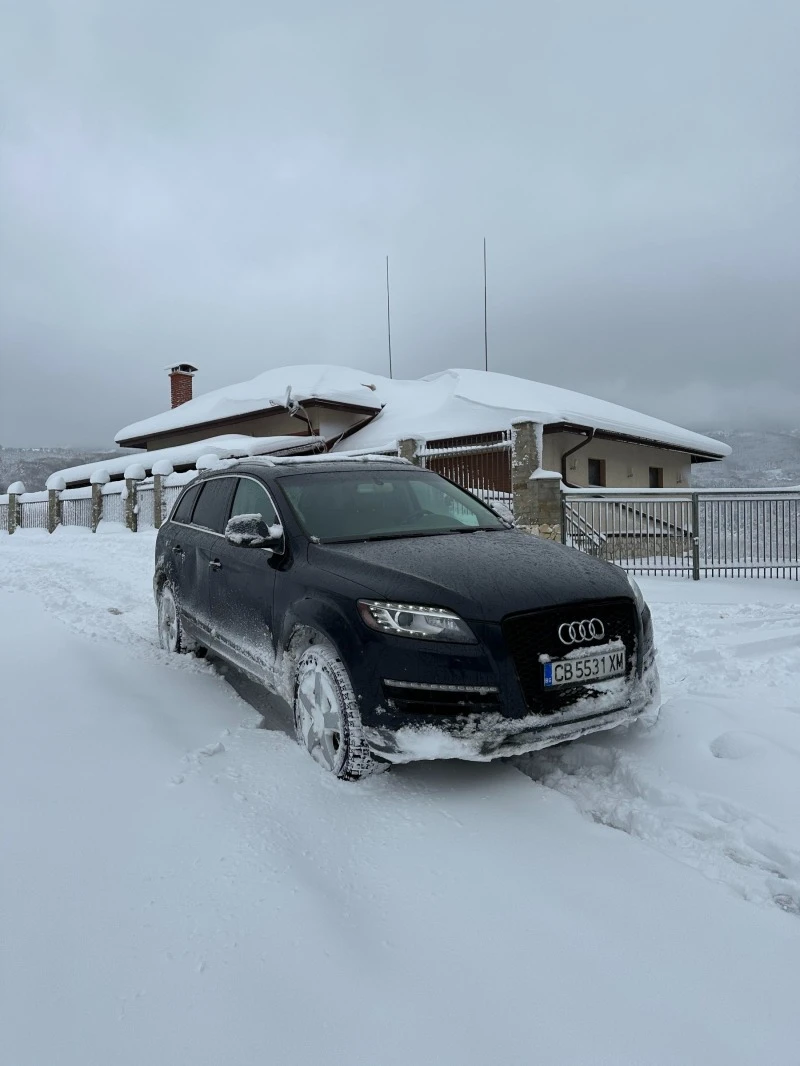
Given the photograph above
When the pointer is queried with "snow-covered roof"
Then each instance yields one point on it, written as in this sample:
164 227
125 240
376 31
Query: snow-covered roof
453 403
459 403
229 446
336 384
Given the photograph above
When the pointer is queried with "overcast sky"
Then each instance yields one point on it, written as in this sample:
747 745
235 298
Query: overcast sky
221 182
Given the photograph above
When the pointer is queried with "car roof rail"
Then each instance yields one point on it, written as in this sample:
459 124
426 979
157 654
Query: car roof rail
337 457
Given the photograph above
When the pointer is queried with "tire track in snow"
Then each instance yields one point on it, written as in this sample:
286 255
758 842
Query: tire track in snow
722 840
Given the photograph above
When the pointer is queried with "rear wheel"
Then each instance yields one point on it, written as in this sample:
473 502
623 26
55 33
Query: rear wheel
326 715
170 630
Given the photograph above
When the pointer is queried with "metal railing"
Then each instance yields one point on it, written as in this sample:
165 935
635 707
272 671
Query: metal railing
694 533
481 464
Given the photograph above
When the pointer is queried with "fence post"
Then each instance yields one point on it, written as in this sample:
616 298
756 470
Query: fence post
131 509
158 508
14 509
97 505
695 537
407 449
53 510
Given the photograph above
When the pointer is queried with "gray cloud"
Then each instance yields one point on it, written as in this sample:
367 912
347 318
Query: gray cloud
221 182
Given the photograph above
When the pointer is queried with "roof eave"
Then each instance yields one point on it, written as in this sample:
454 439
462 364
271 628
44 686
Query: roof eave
698 456
336 405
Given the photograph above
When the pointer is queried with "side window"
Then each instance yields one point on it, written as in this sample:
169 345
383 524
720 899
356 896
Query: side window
183 512
211 510
251 498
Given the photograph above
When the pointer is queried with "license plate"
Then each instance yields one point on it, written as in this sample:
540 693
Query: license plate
581 670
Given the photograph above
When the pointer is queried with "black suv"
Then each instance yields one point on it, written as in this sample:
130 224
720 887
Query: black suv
399 616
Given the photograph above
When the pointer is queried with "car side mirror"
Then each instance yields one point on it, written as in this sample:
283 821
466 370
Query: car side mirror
251 531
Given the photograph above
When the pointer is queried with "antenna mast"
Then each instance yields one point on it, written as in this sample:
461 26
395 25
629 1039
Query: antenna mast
485 321
388 317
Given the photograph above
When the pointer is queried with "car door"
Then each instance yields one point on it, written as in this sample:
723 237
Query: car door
209 518
242 586
180 562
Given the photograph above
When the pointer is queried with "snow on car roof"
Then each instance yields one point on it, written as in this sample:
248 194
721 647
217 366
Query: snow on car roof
452 403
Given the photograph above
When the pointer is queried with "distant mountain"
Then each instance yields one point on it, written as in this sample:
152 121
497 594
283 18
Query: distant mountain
760 458
33 466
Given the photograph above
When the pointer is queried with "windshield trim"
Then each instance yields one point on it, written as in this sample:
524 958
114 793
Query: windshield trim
409 536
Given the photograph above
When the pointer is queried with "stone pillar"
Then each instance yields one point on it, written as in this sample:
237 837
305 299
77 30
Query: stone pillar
537 492
13 511
131 510
97 505
545 495
158 498
525 459
53 510
407 449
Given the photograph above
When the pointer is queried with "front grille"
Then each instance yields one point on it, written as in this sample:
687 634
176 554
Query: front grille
439 699
530 635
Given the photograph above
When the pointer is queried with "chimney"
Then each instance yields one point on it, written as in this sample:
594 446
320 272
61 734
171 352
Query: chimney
180 380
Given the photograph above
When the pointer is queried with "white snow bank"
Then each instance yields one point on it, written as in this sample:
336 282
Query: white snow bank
231 445
592 909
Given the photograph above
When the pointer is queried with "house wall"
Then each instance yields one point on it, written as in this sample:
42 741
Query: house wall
627 465
327 422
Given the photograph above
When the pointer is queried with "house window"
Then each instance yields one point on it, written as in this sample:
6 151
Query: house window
597 471
656 477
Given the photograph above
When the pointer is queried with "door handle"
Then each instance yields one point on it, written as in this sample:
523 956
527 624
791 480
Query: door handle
215 564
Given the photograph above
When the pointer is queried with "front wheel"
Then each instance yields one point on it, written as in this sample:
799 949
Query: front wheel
326 715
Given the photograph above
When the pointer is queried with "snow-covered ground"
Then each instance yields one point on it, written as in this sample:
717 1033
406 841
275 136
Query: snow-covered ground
179 885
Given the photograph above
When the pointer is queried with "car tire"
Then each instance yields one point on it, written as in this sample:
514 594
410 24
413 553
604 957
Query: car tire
170 627
326 717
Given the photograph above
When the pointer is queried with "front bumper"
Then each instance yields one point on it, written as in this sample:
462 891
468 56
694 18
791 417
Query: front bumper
491 735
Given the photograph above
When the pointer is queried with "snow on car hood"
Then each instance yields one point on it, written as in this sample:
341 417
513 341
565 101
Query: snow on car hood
482 575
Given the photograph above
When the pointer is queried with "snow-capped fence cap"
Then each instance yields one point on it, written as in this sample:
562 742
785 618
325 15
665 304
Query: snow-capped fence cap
209 461
163 467
99 477
16 489
135 472
56 483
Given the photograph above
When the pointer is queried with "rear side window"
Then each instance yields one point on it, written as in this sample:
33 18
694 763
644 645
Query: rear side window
211 510
251 498
183 512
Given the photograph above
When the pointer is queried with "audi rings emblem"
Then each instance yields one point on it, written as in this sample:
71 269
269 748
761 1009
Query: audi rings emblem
579 632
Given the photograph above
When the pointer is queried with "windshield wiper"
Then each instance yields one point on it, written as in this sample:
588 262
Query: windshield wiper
397 535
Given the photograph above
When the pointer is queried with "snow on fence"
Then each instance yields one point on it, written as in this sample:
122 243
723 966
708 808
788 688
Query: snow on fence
76 507
131 503
695 533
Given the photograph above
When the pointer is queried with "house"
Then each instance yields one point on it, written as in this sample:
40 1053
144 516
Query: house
318 407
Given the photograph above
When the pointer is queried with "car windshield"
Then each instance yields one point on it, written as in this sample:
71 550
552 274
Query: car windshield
376 504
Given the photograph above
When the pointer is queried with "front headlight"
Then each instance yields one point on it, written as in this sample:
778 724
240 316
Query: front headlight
410 620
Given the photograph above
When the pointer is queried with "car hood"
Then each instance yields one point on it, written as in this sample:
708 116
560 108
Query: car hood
479 575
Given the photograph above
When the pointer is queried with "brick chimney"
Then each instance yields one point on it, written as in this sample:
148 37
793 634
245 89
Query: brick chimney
180 381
